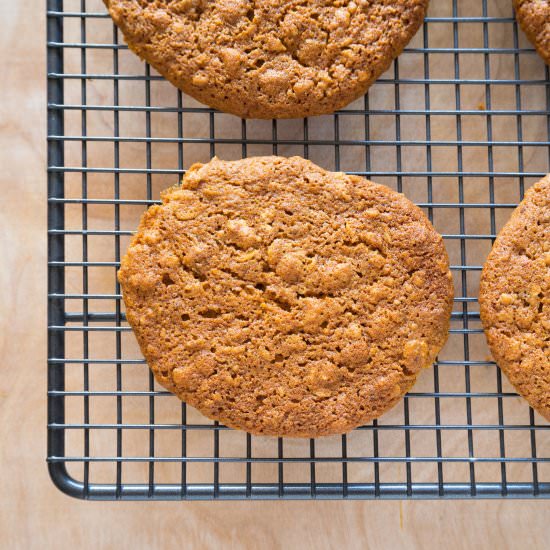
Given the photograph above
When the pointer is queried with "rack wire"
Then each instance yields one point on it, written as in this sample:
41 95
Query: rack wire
460 124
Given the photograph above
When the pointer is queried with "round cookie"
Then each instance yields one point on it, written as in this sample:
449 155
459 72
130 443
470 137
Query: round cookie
534 18
514 298
282 299
269 58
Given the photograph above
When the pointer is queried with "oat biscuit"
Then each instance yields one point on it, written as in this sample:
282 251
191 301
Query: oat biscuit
282 299
269 58
514 298
534 18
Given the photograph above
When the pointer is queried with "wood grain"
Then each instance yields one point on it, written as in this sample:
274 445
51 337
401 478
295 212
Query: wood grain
33 514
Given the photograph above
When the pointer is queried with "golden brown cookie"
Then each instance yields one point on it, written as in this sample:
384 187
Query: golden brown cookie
269 58
282 299
534 18
514 298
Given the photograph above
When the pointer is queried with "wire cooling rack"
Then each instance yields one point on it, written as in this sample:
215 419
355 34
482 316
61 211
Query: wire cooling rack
460 124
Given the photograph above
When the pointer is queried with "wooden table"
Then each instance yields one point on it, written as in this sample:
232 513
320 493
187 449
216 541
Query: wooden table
33 514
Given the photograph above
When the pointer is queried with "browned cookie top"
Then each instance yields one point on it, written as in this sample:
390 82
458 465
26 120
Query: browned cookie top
269 58
283 299
515 298
534 18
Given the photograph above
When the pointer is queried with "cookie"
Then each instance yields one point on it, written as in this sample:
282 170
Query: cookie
534 18
282 299
269 58
514 298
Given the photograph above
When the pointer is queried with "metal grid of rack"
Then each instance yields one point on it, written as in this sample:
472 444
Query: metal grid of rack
460 124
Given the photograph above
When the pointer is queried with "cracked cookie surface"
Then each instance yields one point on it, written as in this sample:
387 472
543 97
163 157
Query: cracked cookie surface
514 298
534 18
282 299
269 58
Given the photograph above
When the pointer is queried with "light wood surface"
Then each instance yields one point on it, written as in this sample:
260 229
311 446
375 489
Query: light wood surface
33 514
